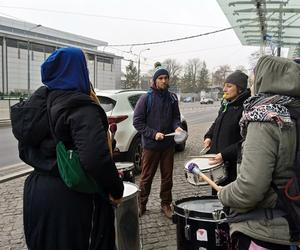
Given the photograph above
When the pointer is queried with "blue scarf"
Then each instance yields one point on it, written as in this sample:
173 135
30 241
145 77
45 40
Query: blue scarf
66 69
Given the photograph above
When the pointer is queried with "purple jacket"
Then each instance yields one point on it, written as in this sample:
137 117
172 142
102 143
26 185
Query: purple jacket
163 116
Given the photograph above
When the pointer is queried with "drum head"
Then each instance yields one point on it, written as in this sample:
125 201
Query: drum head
130 190
181 137
202 163
198 206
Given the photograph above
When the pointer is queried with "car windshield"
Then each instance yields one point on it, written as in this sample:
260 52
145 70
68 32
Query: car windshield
107 103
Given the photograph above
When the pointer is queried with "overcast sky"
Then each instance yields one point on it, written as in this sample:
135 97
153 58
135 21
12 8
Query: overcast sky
121 22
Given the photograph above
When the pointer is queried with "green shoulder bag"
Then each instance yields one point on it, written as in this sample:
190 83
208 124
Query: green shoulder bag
69 166
71 172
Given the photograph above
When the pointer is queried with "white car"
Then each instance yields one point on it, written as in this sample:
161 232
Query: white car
207 101
119 106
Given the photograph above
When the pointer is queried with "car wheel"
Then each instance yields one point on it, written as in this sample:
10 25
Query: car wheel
181 147
135 154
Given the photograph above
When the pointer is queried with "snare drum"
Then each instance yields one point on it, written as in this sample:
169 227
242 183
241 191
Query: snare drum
217 172
125 170
201 224
127 219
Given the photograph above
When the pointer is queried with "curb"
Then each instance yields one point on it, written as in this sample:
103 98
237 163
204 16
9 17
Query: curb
14 171
5 123
15 175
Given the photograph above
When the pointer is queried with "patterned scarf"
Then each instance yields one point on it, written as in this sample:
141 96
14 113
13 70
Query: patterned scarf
266 108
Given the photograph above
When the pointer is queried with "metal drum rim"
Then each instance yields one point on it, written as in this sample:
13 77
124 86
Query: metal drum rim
128 168
194 214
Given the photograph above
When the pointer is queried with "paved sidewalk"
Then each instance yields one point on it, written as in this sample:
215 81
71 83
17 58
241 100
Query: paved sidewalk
157 232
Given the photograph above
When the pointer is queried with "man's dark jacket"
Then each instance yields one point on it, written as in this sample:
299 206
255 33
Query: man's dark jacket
163 116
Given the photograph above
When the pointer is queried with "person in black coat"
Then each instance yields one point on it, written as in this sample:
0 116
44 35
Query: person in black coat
223 137
55 216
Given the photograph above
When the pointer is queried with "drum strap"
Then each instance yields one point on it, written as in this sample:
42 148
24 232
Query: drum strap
262 213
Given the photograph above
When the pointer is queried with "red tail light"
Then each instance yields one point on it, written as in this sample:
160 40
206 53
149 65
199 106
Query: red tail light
117 119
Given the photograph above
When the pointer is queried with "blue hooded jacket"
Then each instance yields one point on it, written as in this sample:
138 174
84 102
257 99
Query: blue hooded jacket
66 69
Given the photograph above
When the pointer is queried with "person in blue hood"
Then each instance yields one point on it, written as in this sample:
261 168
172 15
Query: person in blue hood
55 216
153 119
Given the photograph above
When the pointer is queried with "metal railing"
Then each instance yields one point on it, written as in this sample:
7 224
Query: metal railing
5 103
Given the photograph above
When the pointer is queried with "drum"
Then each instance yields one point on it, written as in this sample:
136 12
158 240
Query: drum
216 172
201 224
127 219
125 170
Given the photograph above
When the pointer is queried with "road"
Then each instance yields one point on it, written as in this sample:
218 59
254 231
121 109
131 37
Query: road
8 147
194 113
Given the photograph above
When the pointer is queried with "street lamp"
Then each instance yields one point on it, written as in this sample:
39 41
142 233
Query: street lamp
28 56
139 66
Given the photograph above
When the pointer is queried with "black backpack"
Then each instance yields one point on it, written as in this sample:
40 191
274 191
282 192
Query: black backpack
289 195
28 118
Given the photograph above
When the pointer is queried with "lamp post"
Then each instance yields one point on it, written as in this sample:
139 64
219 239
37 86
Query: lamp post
139 66
28 57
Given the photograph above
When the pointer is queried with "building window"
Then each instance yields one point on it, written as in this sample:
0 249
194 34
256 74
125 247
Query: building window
105 59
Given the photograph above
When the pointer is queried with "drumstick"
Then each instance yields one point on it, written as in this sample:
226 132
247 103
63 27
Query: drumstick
203 150
193 168
171 134
209 181
202 156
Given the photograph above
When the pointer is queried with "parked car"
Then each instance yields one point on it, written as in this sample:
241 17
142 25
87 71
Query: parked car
207 101
188 99
119 106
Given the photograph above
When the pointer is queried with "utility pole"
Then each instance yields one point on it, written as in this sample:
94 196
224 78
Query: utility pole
139 67
28 58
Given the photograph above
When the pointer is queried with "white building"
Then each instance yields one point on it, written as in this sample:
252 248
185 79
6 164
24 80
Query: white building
24 46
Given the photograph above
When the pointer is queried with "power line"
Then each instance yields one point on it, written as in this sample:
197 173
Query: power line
171 40
193 51
108 17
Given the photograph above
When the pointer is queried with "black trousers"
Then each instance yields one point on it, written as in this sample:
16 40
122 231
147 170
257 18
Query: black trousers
242 242
57 218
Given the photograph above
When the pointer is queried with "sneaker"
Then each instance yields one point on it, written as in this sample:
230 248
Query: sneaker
167 210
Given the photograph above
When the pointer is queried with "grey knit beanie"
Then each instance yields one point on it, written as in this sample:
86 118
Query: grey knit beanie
238 78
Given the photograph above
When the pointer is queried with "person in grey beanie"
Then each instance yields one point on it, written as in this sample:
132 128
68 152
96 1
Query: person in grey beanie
223 136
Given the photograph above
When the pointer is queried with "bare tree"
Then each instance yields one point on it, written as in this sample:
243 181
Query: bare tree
253 58
189 80
220 74
242 68
174 69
